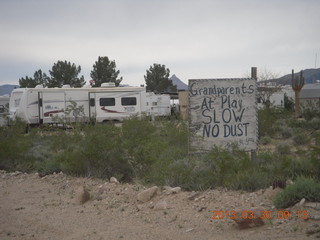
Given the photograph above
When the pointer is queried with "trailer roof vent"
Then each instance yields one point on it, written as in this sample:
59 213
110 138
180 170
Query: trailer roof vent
39 86
66 86
108 85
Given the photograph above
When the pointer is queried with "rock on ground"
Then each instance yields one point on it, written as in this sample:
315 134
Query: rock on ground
147 194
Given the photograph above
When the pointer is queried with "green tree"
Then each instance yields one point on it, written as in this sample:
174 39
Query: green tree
64 73
104 71
157 79
39 78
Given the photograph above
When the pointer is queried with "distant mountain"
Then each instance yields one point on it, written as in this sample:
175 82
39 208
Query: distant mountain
7 89
310 76
177 82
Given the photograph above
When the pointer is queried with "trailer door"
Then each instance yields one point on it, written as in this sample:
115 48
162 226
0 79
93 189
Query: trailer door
40 107
52 107
92 106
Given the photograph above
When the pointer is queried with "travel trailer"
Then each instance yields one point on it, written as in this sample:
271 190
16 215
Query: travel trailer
55 105
158 104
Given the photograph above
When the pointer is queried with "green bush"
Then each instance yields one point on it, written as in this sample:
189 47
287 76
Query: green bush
141 142
267 117
94 151
287 166
314 123
272 120
286 132
232 169
283 149
265 140
311 109
311 124
303 188
301 139
157 153
14 145
251 180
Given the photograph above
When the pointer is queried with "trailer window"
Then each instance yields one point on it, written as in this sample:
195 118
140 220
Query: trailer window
107 101
128 101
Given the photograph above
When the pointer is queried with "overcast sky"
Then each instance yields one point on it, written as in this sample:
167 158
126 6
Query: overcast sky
193 38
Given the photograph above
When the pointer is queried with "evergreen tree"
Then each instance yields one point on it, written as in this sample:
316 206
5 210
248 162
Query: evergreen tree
157 79
105 71
64 73
39 78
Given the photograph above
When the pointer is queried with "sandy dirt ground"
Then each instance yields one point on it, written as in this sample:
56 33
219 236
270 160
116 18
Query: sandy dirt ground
34 207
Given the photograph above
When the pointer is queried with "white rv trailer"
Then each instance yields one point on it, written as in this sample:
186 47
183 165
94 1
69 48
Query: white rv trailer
158 104
51 105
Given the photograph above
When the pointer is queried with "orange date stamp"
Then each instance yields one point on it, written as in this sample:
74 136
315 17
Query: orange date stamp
285 214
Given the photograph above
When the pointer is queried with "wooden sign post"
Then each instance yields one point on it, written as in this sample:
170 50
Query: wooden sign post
222 112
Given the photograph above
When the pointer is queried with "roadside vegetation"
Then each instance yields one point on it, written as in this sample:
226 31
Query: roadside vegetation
157 153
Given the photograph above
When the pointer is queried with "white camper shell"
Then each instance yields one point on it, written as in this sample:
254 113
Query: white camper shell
51 105
158 104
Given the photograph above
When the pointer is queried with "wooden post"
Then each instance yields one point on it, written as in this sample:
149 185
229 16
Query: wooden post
254 75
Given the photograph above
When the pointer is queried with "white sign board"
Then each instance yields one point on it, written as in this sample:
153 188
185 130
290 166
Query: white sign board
222 112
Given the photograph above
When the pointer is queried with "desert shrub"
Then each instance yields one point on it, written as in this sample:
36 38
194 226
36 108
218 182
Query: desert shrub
265 140
301 138
40 152
227 163
95 151
14 144
142 144
311 109
311 124
47 166
272 120
172 164
288 166
286 132
266 118
103 153
314 123
251 180
234 169
283 149
220 167
179 173
275 165
279 124
314 156
288 103
303 187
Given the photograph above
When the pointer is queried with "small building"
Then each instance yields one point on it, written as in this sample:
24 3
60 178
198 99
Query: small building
310 96
274 94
